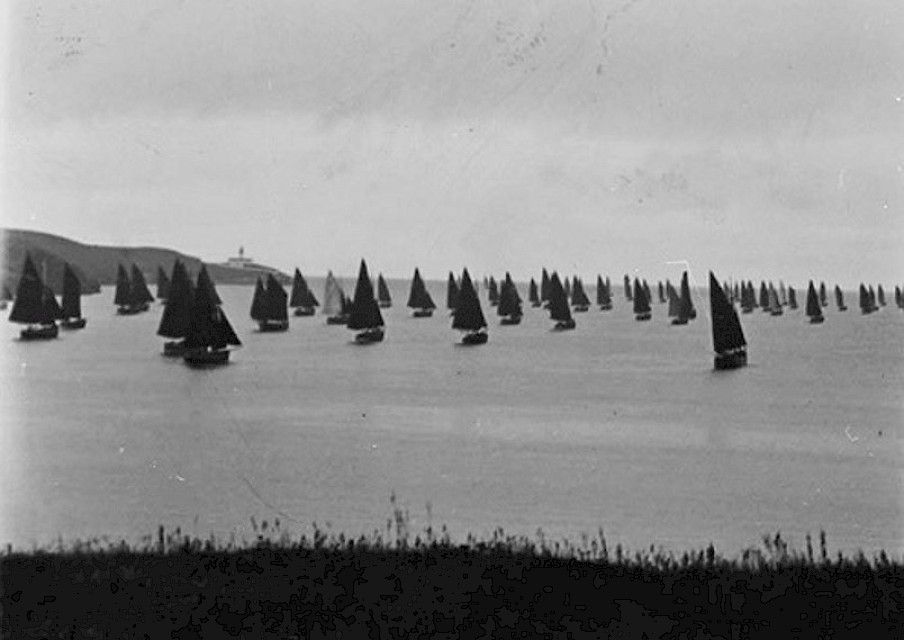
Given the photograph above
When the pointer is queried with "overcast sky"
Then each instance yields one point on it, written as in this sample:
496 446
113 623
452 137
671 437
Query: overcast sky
761 139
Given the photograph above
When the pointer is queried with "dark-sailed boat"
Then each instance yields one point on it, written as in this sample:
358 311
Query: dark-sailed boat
451 293
364 315
839 299
302 298
823 297
509 307
775 306
72 300
334 304
544 288
685 308
122 297
814 308
493 292
419 298
141 295
792 298
272 311
163 284
627 285
661 292
558 305
728 337
603 294
764 297
468 315
880 293
176 317
533 294
383 297
579 299
35 306
209 333
642 309
866 305
674 302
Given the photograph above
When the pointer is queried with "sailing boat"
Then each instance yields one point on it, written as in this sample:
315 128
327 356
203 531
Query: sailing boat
364 315
792 298
865 304
558 305
661 292
35 306
468 316
764 296
814 308
419 298
334 305
533 294
642 310
302 299
728 337
163 284
775 307
451 293
209 333
493 292
271 311
383 293
176 317
141 295
823 298
603 294
627 286
579 298
72 300
880 292
544 288
674 302
509 302
839 299
122 297
685 310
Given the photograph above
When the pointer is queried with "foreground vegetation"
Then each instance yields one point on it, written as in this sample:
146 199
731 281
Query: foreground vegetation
398 585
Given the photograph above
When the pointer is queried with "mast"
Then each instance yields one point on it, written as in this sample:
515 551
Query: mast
468 315
365 311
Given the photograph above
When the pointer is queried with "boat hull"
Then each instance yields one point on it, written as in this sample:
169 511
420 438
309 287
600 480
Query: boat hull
272 326
641 317
817 319
582 308
679 321
475 338
132 309
43 332
204 358
385 305
370 336
564 325
535 304
174 348
842 308
74 323
732 360
337 320
301 312
510 320
422 313
605 307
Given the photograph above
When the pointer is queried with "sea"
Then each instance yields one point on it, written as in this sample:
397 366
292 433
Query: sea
618 426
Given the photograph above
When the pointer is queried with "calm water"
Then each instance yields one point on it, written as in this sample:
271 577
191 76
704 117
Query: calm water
618 424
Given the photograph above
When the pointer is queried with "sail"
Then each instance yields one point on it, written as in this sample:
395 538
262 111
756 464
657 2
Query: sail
764 296
566 285
211 287
839 297
774 304
383 291
533 295
646 291
792 298
365 312
600 290
52 309
299 290
72 293
451 292
419 297
727 332
814 308
28 307
140 291
258 310
674 300
685 305
163 284
823 298
558 302
208 325
627 285
641 303
880 292
578 295
509 300
123 295
333 296
872 298
783 294
468 315
493 292
174 321
544 286
661 292
275 301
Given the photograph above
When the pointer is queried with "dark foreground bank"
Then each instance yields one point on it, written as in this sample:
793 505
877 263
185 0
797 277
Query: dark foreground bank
429 587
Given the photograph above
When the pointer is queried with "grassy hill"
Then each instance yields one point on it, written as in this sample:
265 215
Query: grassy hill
95 265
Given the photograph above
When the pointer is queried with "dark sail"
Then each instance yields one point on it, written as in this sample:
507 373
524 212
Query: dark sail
685 305
468 315
275 300
558 302
451 292
140 291
29 307
839 298
764 296
509 300
383 292
641 303
258 311
299 291
544 286
566 286
533 295
727 333
52 309
163 284
72 293
123 295
175 320
493 292
661 293
880 292
364 312
674 300
792 298
823 298
208 325
627 286
814 308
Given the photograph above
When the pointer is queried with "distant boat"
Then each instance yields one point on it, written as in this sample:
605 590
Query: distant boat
782 294
364 315
899 299
302 298
792 298
866 306
661 292
728 337
566 285
839 299
141 295
646 291
823 297
334 301
579 299
451 293
880 292
872 298
163 284
603 294
558 305
269 305
627 285
209 333
642 309
419 298
674 302
814 308
493 292
468 316
533 294
509 307
383 297
775 306
35 306
764 296
123 297
176 317
72 300
685 310
544 288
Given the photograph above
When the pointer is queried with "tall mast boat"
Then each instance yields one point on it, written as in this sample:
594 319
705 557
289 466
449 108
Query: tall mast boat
468 316
728 337
176 317
419 298
558 305
35 306
72 300
364 315
209 333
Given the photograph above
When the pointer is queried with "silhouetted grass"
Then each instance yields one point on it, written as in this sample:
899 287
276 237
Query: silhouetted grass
397 584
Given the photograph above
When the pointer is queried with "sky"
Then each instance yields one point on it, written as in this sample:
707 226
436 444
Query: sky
760 139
